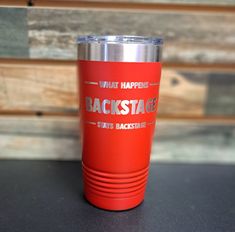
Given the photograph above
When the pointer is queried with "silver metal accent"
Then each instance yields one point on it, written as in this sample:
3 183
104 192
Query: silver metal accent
92 123
120 48
91 82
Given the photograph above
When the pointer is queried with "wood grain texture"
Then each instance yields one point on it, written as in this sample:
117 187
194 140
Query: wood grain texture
151 2
194 142
13 32
58 138
52 88
137 5
37 138
189 37
180 95
210 2
194 2
13 3
47 88
221 94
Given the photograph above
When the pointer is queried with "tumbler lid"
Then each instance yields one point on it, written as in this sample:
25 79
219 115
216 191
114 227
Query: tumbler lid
119 48
120 39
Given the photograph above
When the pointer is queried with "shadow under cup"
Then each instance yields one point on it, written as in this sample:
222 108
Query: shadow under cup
119 79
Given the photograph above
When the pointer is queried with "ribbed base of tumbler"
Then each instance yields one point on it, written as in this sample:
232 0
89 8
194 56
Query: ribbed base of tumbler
114 191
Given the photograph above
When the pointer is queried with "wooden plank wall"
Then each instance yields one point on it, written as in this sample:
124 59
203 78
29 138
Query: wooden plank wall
50 87
52 34
175 141
38 94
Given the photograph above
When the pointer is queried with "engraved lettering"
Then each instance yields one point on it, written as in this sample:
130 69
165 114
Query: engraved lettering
120 107
108 84
125 109
134 85
140 107
114 106
96 106
151 105
133 106
105 125
130 126
88 104
104 109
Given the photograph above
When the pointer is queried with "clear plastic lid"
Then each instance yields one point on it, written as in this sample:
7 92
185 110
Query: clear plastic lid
120 39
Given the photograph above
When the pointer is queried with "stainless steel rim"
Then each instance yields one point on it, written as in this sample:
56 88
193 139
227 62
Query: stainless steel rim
120 48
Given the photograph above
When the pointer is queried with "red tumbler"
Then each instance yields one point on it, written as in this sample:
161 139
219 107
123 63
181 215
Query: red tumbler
119 78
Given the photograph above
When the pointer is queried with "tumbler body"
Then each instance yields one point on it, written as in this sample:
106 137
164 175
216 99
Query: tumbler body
118 108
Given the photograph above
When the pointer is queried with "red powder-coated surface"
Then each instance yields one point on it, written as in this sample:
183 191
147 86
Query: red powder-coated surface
115 161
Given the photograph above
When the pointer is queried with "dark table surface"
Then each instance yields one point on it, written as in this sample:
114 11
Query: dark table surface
47 196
